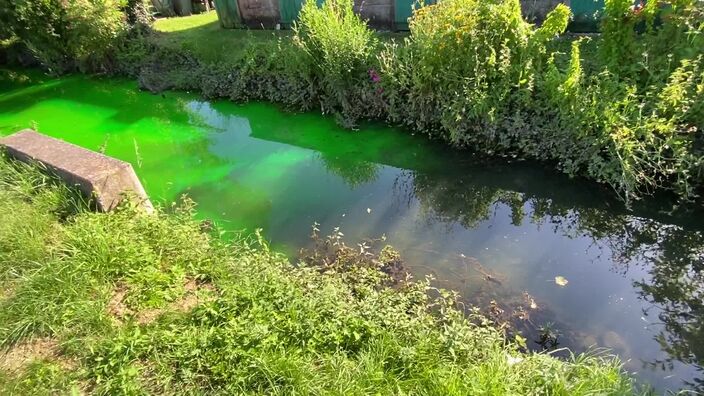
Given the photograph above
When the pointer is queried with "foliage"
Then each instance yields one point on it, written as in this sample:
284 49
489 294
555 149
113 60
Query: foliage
66 34
464 67
257 324
40 24
646 91
340 47
94 29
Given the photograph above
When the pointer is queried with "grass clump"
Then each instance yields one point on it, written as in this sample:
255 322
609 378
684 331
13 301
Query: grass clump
132 303
340 48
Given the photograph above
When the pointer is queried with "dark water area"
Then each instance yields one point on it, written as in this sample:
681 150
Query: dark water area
561 259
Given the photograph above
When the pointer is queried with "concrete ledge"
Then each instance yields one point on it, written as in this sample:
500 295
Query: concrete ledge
103 178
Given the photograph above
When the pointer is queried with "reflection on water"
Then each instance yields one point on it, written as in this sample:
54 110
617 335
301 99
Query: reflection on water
499 233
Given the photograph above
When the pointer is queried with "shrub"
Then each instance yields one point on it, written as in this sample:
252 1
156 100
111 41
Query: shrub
670 31
94 29
64 35
475 74
651 55
340 48
465 67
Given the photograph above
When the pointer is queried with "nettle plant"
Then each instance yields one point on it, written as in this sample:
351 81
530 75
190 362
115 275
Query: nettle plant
652 55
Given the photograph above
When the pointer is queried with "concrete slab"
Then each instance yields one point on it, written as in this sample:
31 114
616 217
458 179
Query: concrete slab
104 178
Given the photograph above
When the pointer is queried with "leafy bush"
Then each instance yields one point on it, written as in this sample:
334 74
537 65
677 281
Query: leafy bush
643 108
340 48
475 74
465 67
94 29
66 34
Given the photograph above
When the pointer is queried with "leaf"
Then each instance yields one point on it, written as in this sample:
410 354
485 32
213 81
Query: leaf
561 281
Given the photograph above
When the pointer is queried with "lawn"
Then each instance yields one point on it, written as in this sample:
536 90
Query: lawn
202 36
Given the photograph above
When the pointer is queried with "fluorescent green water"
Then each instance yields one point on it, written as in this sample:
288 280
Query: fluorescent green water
635 278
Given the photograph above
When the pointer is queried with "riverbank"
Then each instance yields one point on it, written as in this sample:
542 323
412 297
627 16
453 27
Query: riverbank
127 302
591 110
477 225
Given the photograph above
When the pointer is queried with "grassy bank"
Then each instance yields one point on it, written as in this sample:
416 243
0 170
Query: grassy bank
131 303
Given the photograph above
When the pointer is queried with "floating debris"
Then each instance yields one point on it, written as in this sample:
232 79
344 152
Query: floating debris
529 300
474 264
369 210
561 281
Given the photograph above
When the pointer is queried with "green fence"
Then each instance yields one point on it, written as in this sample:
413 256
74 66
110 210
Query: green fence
403 9
289 10
586 13
228 13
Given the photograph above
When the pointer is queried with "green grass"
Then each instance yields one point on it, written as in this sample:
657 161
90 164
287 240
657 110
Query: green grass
178 24
150 304
202 35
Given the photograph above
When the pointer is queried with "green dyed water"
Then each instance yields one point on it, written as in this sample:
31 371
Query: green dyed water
498 232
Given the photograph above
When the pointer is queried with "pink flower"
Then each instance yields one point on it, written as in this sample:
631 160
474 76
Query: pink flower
374 76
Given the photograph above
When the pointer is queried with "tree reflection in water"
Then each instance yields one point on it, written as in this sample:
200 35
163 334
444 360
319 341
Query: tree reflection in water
672 255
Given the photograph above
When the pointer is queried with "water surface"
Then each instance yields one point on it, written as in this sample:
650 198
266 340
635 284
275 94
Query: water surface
497 232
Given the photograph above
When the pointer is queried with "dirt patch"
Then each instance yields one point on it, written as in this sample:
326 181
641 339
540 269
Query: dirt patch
147 316
24 353
194 294
117 308
149 378
7 290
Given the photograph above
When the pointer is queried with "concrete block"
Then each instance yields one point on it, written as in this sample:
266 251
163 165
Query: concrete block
103 178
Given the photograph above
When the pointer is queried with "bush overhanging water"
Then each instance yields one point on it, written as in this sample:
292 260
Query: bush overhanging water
629 113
